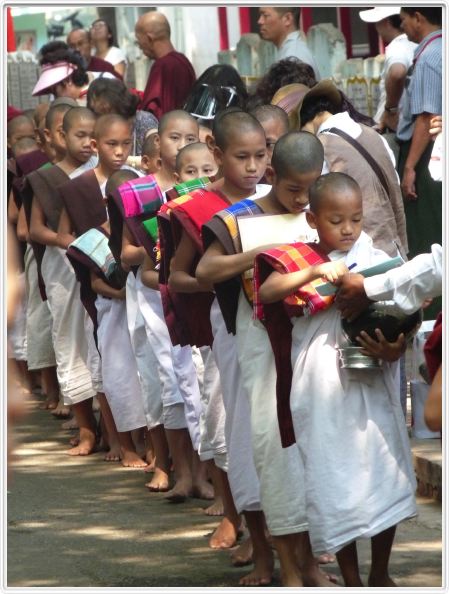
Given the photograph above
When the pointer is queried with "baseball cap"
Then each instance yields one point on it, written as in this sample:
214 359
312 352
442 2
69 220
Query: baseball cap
374 15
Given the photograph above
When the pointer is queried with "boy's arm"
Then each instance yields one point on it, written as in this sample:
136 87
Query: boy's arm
39 231
101 288
433 406
180 278
278 286
131 255
65 231
150 277
22 227
13 212
216 266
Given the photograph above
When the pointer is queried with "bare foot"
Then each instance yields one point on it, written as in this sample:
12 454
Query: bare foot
84 448
131 459
224 536
243 555
216 509
151 465
318 579
180 492
113 455
159 482
61 411
70 424
381 582
292 579
262 574
203 490
49 404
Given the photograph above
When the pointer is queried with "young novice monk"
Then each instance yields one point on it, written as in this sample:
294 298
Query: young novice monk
73 154
274 121
84 209
240 151
150 161
194 161
348 423
298 163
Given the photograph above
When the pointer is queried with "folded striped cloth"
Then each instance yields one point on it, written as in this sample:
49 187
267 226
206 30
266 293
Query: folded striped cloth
141 196
285 259
94 244
186 187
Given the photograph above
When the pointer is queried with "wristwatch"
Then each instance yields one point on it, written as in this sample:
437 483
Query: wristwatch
391 109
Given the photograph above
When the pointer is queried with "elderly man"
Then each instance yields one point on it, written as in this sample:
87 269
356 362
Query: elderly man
79 41
280 26
172 76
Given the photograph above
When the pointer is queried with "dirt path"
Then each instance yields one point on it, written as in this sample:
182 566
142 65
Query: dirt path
87 523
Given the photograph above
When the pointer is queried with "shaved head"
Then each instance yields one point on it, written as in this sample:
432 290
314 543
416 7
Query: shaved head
176 114
232 124
104 122
154 23
265 113
74 115
330 184
187 150
299 152
17 123
61 108
150 147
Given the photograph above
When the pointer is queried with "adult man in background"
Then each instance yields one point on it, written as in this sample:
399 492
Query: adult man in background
398 59
280 26
171 76
79 41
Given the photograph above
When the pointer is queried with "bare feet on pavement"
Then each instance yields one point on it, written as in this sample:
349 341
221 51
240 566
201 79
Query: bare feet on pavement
159 483
262 574
243 555
224 536
216 509
131 459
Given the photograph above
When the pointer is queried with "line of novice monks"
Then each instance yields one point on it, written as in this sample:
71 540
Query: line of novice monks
140 294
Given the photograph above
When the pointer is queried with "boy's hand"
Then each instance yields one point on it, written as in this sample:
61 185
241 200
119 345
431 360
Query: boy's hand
332 270
381 348
122 294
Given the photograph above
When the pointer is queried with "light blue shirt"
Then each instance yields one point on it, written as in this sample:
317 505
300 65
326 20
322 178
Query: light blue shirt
423 92
295 47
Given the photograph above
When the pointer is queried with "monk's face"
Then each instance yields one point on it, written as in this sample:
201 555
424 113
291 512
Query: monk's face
178 132
198 162
114 146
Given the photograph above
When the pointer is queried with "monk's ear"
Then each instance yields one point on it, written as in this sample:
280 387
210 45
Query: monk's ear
310 218
270 175
157 140
93 144
176 176
210 141
47 135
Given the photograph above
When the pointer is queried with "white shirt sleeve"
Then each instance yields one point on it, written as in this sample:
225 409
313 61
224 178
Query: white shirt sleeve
115 55
410 284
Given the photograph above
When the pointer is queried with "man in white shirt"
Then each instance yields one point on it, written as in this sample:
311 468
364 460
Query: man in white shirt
280 26
398 59
408 286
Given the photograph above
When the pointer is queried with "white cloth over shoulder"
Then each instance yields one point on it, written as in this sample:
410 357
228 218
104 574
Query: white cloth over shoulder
350 431
410 284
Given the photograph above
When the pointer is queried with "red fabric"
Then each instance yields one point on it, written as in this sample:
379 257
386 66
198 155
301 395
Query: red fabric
170 81
433 348
245 20
223 27
100 65
12 112
10 35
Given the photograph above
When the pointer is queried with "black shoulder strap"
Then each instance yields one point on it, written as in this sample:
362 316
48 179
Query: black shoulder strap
377 170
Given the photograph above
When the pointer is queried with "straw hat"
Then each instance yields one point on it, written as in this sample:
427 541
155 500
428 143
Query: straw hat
325 88
51 75
288 98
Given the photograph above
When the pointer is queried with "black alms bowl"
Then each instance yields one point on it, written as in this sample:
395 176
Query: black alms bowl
390 325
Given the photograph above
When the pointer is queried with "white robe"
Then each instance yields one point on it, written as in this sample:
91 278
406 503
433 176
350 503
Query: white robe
146 360
40 352
350 431
68 323
119 370
242 475
17 338
280 470
177 373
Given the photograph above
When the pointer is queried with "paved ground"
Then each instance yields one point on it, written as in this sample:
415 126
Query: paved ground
83 522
